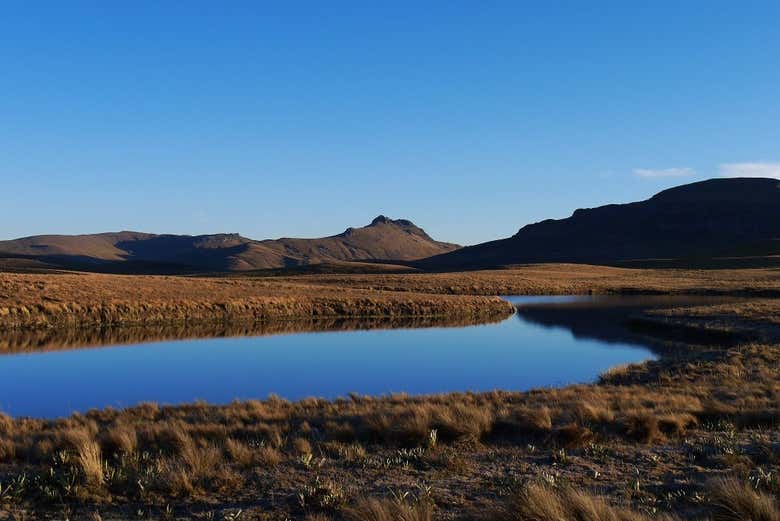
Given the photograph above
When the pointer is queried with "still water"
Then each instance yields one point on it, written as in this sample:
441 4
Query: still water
549 342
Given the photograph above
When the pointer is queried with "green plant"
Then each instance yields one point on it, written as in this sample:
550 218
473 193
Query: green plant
14 489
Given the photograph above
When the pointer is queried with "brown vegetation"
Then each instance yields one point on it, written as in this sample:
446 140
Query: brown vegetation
133 252
78 300
70 300
757 319
565 279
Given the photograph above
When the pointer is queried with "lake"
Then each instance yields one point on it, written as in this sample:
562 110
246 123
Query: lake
550 341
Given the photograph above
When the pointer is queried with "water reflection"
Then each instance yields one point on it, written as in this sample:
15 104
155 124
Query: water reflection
19 341
614 319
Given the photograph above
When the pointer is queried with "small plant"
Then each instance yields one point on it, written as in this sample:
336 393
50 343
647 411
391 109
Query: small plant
399 497
761 479
60 480
322 494
306 459
167 512
424 493
549 478
232 516
635 484
653 458
597 452
433 437
13 489
559 457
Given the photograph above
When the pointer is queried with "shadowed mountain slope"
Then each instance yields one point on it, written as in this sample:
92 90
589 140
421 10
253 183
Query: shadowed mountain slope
382 240
705 220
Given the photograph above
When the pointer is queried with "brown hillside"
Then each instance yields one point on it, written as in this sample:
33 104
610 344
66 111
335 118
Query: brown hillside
382 240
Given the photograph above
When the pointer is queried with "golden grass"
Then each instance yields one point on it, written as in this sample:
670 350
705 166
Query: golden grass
90 461
373 509
120 439
563 279
84 300
69 300
734 500
537 502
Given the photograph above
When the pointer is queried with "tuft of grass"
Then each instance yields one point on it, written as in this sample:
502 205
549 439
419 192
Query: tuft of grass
269 456
7 450
120 439
373 509
239 453
645 428
90 462
537 502
734 500
6 423
301 446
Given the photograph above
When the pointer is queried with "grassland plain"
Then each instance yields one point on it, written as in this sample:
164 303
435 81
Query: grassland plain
566 279
69 299
693 435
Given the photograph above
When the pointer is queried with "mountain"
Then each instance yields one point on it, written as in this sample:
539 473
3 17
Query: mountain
705 220
383 240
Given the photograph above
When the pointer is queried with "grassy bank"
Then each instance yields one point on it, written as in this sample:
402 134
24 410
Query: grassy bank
61 300
694 435
758 319
81 300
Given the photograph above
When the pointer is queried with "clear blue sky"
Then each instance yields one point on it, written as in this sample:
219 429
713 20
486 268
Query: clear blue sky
302 118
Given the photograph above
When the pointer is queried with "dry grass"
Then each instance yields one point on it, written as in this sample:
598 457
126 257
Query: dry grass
537 502
757 319
69 300
120 440
734 500
386 510
564 279
84 300
90 461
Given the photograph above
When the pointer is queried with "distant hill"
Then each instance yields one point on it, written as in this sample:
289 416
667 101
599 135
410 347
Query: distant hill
383 240
691 224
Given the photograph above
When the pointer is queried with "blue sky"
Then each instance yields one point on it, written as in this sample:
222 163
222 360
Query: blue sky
302 118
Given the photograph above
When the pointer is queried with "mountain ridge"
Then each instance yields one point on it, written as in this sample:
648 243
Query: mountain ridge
706 219
383 240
